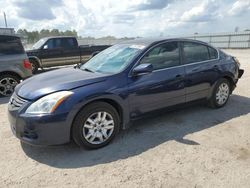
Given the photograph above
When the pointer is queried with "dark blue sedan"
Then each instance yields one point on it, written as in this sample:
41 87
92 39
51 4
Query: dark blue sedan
92 102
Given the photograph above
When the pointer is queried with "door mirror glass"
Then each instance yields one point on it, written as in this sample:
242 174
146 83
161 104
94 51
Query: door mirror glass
142 69
45 47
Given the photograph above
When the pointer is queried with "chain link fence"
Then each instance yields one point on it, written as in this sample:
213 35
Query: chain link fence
220 40
225 40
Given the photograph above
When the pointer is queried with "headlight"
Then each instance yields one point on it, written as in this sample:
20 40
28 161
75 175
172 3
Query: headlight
49 103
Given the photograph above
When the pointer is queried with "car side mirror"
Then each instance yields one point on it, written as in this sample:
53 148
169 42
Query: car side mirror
45 47
142 69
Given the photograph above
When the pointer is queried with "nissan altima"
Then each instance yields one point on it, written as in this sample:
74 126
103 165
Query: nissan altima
90 103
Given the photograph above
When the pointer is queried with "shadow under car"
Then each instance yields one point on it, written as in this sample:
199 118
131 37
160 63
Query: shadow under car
142 136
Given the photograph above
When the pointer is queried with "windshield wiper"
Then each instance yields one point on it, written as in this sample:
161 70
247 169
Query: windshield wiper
86 69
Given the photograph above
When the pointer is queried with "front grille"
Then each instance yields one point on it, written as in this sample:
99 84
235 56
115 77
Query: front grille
16 102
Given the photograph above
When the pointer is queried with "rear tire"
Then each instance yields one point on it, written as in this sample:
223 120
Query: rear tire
96 125
8 83
34 65
220 94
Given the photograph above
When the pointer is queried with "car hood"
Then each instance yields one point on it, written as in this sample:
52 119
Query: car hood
31 52
57 80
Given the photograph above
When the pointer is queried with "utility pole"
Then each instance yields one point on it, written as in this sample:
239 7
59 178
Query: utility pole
5 20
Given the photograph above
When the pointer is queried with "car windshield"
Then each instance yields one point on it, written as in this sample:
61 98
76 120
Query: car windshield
38 44
113 59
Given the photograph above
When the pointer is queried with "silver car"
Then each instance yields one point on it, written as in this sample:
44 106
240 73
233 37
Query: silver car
14 64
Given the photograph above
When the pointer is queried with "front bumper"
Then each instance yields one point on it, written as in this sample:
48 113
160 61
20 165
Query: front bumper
40 130
241 72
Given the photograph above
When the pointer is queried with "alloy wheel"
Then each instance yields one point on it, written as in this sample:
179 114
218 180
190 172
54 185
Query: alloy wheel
33 67
98 127
7 86
222 93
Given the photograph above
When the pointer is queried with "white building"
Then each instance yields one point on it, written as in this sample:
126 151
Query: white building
7 31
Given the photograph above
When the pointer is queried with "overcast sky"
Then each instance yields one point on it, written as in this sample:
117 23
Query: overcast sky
128 17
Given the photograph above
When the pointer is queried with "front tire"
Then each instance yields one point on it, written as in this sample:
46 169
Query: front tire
34 65
96 125
220 94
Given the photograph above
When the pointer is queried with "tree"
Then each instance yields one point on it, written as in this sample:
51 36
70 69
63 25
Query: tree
55 32
33 36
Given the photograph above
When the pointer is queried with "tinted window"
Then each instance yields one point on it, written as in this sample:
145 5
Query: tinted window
213 53
50 44
194 52
10 46
163 56
69 43
57 43
54 43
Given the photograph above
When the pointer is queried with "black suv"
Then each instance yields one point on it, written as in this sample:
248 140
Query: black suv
14 64
57 51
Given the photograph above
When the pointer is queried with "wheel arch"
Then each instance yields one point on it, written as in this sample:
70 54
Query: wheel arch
123 114
112 102
36 59
225 76
231 81
11 73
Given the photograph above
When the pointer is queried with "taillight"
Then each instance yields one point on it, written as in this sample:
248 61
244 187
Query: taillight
27 64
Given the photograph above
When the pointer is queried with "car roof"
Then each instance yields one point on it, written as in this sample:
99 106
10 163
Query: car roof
152 41
53 37
9 36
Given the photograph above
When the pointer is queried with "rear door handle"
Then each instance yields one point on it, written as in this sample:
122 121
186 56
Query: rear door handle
178 76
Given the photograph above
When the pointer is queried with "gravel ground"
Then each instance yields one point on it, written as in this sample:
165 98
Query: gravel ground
192 147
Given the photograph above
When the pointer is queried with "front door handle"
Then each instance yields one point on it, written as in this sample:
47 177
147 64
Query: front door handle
196 69
215 67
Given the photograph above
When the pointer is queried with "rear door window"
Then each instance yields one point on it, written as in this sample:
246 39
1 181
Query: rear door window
57 43
69 43
10 46
195 52
213 53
